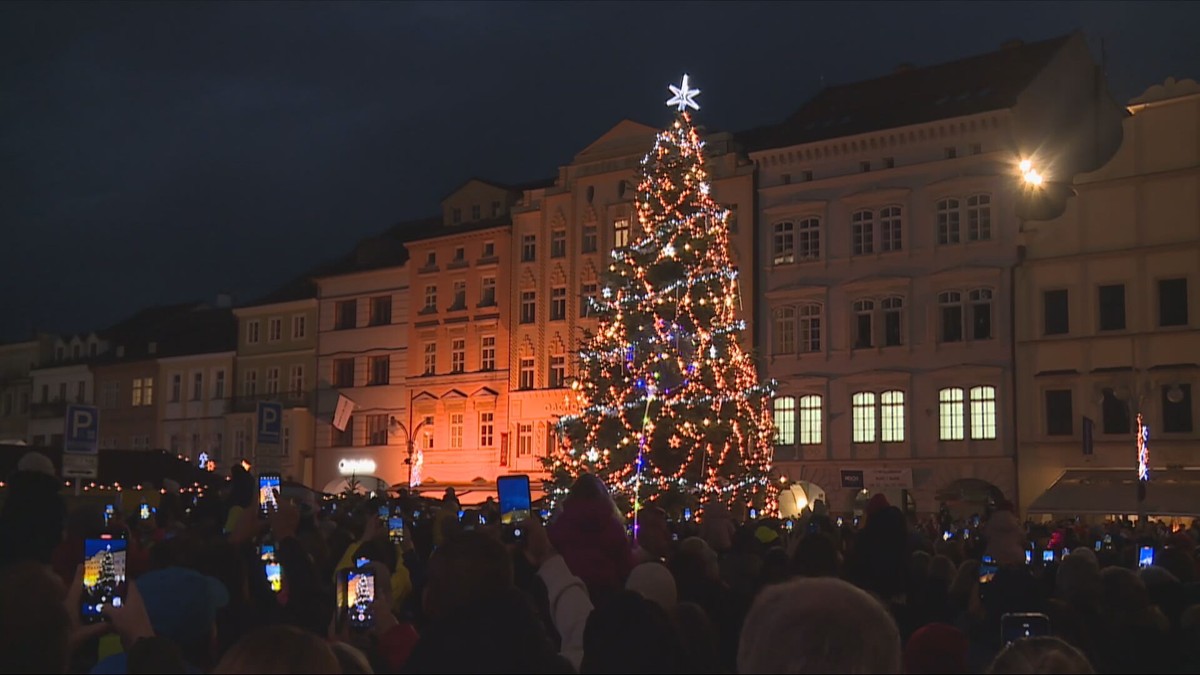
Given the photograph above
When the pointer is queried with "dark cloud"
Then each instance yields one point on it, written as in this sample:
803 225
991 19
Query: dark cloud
152 152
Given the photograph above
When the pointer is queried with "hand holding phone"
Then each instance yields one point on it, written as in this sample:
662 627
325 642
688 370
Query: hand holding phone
516 506
1014 627
360 598
1145 557
103 582
268 492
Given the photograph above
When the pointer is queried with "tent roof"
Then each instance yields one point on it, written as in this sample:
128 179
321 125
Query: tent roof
1171 492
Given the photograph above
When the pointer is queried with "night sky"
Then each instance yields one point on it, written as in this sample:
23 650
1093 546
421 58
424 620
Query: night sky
161 152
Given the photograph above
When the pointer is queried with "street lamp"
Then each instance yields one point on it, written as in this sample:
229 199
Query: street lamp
1030 175
409 443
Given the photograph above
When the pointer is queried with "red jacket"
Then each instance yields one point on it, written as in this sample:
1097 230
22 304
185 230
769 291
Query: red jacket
593 543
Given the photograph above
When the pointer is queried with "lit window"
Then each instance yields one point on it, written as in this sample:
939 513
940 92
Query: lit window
979 218
785 330
810 420
983 413
487 429
891 229
863 404
458 355
456 430
621 232
948 221
950 414
891 404
862 226
784 244
785 420
487 352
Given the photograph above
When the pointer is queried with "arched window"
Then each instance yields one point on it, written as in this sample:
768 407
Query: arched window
785 420
863 405
950 414
810 420
891 404
983 413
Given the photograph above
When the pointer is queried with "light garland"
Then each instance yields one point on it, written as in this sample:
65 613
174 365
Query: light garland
670 409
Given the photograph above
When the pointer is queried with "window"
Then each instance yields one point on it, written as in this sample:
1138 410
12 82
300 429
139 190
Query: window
197 386
252 332
979 218
558 371
806 176
381 310
525 373
810 420
431 259
456 216
176 387
558 244
889 162
951 153
346 315
810 328
487 429
143 391
489 249
587 293
1059 418
951 316
862 224
62 391
810 239
621 232
785 420
429 365
893 321
495 209
274 329
456 430
250 383
981 314
272 380
528 306
863 406
1172 302
1112 307
219 385
785 330
343 438
950 414
976 149
379 370
343 372
1056 312
983 413
475 215
299 326
377 429
589 241
947 221
558 303
891 229
524 439
487 292
529 248
460 295
891 408
458 355
460 254
864 166
731 220
430 298
863 309
487 352
1177 409
110 395
784 248
1114 413
296 380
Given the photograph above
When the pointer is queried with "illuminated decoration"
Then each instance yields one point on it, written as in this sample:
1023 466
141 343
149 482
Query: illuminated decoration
418 460
355 467
670 409
1030 175
683 98
202 460
1143 449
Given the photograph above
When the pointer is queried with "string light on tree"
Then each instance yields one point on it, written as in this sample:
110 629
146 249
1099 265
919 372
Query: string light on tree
670 407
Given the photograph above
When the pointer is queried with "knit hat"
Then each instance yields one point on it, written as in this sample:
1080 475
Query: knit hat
878 503
654 582
936 648
36 462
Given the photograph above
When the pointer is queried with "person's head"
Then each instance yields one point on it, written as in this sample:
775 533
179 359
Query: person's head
588 486
1123 592
653 534
816 555
182 605
1048 655
942 570
1178 561
34 624
629 634
654 582
818 626
279 650
1078 581
695 560
351 660
469 567
935 649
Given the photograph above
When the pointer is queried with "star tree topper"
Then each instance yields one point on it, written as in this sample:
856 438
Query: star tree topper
683 96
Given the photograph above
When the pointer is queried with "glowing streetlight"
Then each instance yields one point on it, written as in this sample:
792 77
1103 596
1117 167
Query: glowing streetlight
1029 174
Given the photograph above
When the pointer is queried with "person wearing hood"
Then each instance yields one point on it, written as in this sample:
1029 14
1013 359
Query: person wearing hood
591 538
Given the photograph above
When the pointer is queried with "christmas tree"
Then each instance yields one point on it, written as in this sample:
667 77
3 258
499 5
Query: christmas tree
671 411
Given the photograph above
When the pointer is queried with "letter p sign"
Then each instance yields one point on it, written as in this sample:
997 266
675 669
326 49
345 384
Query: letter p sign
83 429
270 422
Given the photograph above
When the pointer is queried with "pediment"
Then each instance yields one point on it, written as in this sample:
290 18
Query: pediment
625 138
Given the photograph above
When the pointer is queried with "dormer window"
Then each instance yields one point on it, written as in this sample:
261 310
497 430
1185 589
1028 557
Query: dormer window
495 209
475 212
456 216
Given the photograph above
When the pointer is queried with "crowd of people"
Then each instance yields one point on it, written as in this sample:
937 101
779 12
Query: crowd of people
456 592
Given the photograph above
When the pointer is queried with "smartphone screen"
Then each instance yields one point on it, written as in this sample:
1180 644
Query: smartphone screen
947 535
1065 552
1028 557
144 511
987 570
109 512
753 514
396 529
103 574
841 521
384 512
966 534
1145 557
268 492
266 552
1014 627
274 576
1099 544
515 501
360 593
1048 556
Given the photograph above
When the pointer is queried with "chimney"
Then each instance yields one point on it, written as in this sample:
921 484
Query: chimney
1012 44
224 300
904 68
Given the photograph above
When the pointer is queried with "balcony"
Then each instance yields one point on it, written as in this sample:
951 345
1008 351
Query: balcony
45 411
301 399
457 264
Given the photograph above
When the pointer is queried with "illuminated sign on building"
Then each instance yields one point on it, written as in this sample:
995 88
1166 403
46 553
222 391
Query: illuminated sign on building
356 467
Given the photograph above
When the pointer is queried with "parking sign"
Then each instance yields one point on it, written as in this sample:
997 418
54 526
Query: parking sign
82 430
269 430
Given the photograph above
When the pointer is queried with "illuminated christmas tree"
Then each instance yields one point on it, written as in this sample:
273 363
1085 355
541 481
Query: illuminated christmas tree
670 407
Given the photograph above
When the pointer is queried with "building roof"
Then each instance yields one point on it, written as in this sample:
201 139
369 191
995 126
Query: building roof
175 330
438 229
510 187
968 86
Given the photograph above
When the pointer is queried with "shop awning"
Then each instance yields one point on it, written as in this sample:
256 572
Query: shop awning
1171 492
